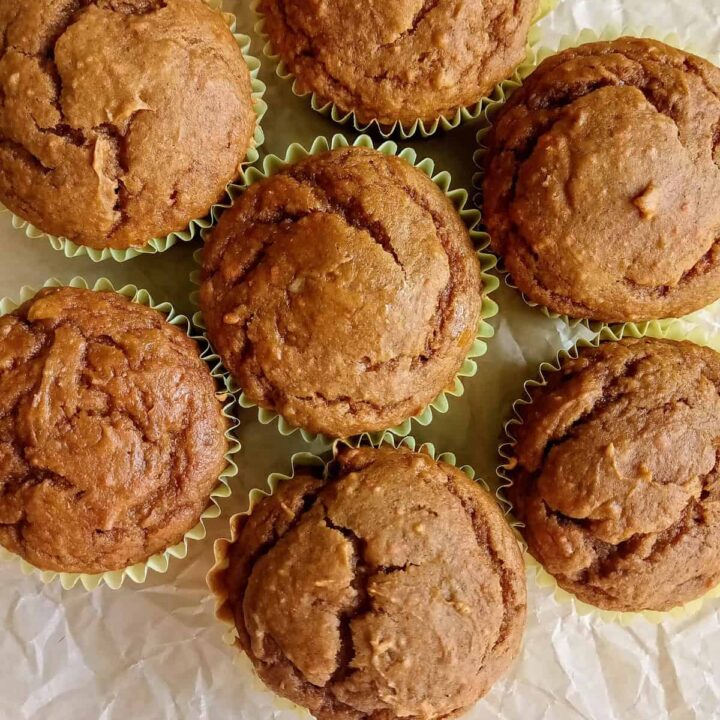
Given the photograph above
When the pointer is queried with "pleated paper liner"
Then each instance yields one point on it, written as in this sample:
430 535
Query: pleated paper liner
491 109
159 562
317 464
273 164
672 330
418 127
161 244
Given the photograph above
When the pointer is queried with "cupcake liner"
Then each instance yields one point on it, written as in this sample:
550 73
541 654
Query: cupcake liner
679 329
159 562
491 109
159 245
273 164
418 127
298 462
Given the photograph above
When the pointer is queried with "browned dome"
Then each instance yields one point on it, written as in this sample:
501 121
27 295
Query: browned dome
121 121
617 474
111 437
343 292
602 185
391 589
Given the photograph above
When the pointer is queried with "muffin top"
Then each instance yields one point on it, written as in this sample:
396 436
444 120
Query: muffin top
342 292
602 186
121 120
617 474
111 438
404 60
393 588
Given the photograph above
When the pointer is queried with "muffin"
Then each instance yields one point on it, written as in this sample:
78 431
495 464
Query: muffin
392 588
617 474
602 184
111 437
120 121
343 292
399 61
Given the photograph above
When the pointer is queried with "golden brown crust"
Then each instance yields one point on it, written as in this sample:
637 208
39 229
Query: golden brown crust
404 60
618 474
343 292
393 588
111 438
602 186
96 148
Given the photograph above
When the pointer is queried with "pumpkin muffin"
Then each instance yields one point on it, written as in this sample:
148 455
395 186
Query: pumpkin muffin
400 61
121 120
393 588
343 292
617 474
111 437
602 185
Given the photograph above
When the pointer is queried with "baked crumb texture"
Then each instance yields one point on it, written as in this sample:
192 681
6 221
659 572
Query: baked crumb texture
111 438
343 292
404 60
120 120
602 183
618 474
393 589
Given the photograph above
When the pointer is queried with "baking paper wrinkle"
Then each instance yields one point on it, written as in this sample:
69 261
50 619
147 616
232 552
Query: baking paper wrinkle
156 652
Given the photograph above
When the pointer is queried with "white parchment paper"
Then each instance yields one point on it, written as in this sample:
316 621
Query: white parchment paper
156 651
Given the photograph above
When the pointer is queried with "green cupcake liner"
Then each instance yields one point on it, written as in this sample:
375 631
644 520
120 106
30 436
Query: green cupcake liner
418 127
273 164
678 329
486 118
159 562
159 245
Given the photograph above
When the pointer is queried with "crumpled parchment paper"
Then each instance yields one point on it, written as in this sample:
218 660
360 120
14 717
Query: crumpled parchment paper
155 651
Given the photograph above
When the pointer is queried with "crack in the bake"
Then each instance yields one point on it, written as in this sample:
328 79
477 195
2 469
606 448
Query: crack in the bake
607 555
427 7
351 211
313 53
77 136
361 605
705 264
22 153
307 503
447 297
132 7
503 573
612 391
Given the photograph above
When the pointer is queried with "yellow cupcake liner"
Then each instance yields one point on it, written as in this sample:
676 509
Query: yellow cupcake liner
418 127
679 329
161 244
158 563
317 464
459 197
492 108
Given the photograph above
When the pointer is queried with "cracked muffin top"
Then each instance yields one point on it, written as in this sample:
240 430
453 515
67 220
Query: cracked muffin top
617 474
404 60
602 186
121 120
111 437
392 588
343 292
